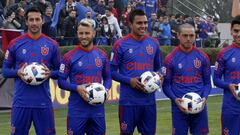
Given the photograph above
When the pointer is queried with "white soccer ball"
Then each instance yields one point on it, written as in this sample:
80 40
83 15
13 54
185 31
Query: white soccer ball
97 93
151 81
238 90
192 102
34 74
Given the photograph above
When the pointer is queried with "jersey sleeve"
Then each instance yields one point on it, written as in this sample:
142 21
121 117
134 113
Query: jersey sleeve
8 64
55 63
106 74
63 76
218 72
116 58
167 88
206 77
158 59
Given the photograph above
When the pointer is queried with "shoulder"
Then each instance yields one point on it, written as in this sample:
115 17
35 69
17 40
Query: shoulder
120 42
101 52
202 53
17 41
50 40
168 59
69 54
154 40
224 51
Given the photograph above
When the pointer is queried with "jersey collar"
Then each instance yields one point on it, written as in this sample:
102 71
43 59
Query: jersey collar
179 48
27 34
134 38
83 49
235 45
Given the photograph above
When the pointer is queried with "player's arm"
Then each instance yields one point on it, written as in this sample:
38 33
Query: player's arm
218 72
106 74
206 78
8 63
55 63
63 82
116 58
167 88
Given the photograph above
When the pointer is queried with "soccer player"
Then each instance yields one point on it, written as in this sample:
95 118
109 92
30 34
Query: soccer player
187 70
83 65
32 103
133 55
227 77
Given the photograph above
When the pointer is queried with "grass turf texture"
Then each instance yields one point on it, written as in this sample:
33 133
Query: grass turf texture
163 119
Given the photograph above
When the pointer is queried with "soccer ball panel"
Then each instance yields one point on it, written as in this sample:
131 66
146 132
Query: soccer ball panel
151 81
34 74
97 93
192 102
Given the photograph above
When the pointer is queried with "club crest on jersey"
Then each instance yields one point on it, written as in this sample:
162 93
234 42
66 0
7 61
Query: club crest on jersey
233 60
24 51
225 131
98 62
197 63
44 50
123 126
149 49
80 63
179 65
130 50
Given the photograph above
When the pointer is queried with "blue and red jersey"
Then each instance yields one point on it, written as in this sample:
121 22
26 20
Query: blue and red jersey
22 50
80 66
227 71
130 58
187 72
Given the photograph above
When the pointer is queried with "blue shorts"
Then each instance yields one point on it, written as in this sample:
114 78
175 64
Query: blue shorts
144 117
42 118
90 126
230 124
198 123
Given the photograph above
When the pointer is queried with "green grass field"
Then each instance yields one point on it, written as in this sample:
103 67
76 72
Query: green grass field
163 119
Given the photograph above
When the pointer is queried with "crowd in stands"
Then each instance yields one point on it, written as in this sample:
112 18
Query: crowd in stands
109 18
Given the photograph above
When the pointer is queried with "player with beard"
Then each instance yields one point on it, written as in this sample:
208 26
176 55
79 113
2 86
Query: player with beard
83 65
133 55
32 103
227 77
187 70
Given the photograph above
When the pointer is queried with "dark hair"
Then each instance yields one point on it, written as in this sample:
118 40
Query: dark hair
32 9
104 18
236 20
108 8
134 13
185 25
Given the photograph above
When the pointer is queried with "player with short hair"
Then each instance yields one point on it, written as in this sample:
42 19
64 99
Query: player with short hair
32 103
187 70
133 55
227 77
83 65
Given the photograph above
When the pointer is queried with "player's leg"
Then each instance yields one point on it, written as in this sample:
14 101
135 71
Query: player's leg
96 126
147 120
230 124
20 121
199 123
127 119
76 125
43 120
179 122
